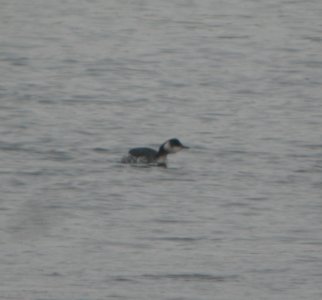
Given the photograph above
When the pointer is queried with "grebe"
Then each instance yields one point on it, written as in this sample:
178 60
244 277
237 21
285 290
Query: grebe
151 156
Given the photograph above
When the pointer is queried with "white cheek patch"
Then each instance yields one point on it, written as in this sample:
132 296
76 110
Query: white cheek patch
175 149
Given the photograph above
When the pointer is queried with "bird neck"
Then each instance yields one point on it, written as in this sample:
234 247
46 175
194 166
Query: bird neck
162 152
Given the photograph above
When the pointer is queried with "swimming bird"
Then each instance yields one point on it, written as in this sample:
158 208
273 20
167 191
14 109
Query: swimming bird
151 156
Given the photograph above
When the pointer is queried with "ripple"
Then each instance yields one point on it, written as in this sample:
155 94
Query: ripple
231 37
186 277
313 146
258 198
56 155
54 274
101 150
10 146
179 239
172 221
204 277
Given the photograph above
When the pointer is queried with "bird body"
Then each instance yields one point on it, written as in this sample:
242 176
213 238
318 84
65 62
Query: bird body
150 156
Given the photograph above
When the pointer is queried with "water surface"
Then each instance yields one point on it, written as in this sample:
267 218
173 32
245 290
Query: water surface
237 216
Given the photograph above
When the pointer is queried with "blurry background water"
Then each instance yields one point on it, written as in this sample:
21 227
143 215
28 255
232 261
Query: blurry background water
238 216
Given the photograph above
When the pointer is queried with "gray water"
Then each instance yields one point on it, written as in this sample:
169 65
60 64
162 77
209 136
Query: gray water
237 216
